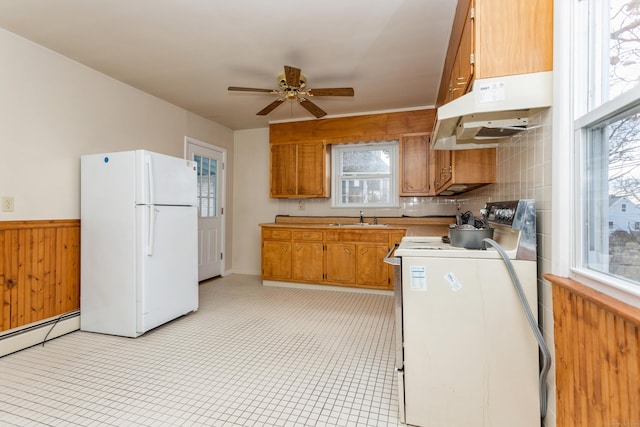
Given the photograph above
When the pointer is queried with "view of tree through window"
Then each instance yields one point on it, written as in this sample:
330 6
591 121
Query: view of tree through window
614 144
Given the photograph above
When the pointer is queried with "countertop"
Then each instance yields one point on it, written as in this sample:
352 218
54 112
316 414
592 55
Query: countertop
414 226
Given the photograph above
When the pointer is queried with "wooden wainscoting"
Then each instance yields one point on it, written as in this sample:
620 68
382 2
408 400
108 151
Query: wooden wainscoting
39 270
597 345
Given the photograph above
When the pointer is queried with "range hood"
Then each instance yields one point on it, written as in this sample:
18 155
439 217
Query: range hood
495 110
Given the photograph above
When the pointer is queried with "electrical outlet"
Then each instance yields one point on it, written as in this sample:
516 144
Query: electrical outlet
300 205
7 204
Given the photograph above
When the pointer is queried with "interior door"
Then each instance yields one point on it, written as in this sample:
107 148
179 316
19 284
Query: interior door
211 178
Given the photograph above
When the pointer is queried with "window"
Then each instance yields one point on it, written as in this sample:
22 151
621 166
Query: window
365 175
207 176
607 130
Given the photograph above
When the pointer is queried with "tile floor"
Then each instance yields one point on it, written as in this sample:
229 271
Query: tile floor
250 356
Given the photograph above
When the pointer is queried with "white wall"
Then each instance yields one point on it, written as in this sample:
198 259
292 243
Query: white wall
252 204
53 110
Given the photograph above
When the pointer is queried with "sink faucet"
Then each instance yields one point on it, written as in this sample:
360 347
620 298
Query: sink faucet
361 217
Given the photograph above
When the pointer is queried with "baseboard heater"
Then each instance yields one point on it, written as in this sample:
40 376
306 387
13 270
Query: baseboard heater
38 333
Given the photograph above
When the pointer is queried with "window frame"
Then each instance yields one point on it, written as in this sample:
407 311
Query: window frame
336 175
575 120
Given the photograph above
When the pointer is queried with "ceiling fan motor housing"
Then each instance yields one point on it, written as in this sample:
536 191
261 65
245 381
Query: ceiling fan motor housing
282 82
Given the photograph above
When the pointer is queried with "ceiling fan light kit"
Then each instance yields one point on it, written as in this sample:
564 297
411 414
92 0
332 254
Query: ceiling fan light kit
292 83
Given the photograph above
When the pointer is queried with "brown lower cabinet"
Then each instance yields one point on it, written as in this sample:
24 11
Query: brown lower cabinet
307 256
329 256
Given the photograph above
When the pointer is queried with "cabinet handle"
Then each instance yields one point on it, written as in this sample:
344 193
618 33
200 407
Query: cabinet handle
364 251
347 251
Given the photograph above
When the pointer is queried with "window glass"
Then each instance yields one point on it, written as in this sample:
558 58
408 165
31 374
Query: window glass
608 135
613 197
613 53
365 174
624 46
207 176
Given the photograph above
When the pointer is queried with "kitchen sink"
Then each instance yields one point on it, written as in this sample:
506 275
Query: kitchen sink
358 224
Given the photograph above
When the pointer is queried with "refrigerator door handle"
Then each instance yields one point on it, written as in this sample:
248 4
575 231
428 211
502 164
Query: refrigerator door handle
152 230
150 180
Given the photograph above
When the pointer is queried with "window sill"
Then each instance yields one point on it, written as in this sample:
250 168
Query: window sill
612 304
617 289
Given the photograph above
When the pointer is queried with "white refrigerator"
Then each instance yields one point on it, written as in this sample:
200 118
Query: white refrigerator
139 231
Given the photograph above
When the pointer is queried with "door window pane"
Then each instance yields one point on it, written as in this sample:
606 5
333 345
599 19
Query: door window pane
207 181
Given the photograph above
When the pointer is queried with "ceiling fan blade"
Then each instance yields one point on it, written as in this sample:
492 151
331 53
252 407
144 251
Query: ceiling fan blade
292 76
251 89
312 108
335 91
269 108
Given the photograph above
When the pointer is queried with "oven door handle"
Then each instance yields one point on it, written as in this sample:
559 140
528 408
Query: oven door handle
392 260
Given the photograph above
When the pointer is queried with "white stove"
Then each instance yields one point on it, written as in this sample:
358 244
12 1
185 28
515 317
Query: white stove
514 230
464 352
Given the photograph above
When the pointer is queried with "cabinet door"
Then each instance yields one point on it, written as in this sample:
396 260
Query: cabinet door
307 261
465 59
414 165
276 260
283 170
474 166
341 263
443 168
311 171
371 269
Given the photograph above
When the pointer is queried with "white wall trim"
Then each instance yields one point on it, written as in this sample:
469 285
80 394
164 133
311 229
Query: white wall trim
279 284
562 212
35 335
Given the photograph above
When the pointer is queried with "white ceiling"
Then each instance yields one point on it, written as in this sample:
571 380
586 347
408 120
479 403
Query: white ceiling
188 52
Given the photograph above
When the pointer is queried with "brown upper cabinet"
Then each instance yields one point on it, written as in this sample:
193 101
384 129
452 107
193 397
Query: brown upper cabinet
300 170
414 165
300 151
462 68
457 171
493 38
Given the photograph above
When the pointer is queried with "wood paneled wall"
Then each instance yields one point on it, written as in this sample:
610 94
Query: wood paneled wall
39 270
597 345
370 127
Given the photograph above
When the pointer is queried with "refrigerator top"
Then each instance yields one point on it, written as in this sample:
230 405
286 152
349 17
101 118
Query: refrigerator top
145 177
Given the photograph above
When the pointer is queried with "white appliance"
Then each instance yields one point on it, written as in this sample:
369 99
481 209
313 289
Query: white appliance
496 109
139 250
465 351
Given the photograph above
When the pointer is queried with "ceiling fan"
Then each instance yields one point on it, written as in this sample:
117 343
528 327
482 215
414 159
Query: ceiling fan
292 86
